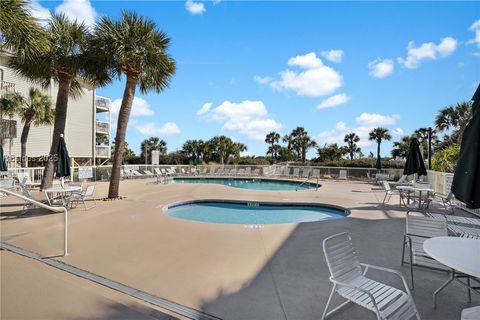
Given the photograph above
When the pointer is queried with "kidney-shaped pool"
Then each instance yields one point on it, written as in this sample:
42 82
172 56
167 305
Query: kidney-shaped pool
244 212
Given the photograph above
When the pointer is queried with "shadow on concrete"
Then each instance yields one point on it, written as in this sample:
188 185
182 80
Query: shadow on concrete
294 284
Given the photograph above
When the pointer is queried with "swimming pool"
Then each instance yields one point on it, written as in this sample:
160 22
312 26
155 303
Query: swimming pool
250 183
243 212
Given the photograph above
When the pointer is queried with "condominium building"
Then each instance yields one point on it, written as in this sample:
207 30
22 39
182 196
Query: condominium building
88 126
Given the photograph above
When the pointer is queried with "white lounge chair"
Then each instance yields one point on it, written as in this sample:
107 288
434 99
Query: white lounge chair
418 229
350 282
306 172
256 173
342 175
248 171
296 172
147 173
87 194
28 182
158 172
241 172
136 173
316 173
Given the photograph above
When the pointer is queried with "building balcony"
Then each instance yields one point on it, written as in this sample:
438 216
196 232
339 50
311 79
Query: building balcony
8 129
102 151
102 127
102 104
5 87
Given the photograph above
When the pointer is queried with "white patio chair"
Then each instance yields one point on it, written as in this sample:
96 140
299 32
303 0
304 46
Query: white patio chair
342 175
296 172
248 171
445 200
147 173
256 173
316 173
389 192
158 172
350 282
87 194
306 172
28 182
418 229
241 171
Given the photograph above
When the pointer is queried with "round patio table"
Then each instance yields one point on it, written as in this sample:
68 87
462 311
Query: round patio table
461 255
62 192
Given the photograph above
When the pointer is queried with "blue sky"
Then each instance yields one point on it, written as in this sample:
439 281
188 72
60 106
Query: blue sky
246 68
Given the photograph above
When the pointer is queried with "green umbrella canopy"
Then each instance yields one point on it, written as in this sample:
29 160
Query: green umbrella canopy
3 165
414 163
466 181
63 160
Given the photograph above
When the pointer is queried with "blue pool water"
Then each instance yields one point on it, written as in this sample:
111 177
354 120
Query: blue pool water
252 213
250 183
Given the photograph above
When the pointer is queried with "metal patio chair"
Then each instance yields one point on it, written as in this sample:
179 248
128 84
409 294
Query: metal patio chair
350 282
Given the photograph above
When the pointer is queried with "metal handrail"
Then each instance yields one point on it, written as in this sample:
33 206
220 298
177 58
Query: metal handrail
42 205
308 179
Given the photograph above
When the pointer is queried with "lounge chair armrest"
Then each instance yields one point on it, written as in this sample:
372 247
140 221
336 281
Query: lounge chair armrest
398 273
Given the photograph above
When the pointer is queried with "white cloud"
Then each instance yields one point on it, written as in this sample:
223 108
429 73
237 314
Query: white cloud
334 101
381 68
475 27
247 117
366 122
195 8
262 80
398 132
428 50
204 109
140 107
151 129
80 10
333 55
375 119
41 13
315 80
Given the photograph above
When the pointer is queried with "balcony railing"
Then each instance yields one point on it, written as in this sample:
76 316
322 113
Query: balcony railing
102 151
103 127
8 129
102 103
6 86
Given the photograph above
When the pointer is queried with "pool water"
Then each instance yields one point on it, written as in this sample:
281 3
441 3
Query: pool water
252 213
251 183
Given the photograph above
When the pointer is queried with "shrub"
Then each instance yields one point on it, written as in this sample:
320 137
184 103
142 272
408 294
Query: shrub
446 160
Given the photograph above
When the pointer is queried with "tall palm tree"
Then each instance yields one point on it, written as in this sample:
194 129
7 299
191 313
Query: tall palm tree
454 117
153 144
36 110
378 135
9 105
194 149
67 60
302 142
289 139
236 149
400 148
19 30
136 49
221 146
272 138
351 139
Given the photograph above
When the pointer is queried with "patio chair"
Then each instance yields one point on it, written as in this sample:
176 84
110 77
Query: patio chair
7 184
27 194
147 173
28 182
136 173
342 175
203 171
306 172
296 172
316 173
87 194
445 200
256 173
248 171
389 192
349 281
418 229
158 172
241 171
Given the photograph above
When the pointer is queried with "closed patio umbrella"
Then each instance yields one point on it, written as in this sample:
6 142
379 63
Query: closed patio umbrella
63 160
414 163
3 165
466 181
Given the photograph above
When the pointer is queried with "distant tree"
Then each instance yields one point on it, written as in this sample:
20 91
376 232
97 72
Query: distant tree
400 148
194 149
152 144
128 154
378 135
35 110
221 146
455 118
331 152
289 140
302 142
236 149
272 139
351 139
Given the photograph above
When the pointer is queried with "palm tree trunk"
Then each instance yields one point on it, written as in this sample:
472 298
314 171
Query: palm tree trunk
123 116
378 149
58 128
23 141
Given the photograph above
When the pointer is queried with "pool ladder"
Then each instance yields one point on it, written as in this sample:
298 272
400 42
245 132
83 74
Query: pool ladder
308 179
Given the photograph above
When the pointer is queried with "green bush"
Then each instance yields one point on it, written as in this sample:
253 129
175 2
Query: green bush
446 160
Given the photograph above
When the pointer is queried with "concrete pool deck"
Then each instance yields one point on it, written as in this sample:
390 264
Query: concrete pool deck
230 271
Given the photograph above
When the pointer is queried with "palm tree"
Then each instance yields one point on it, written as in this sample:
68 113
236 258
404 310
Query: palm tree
400 148
221 146
194 149
153 144
351 139
272 138
454 117
302 142
289 139
67 60
236 149
19 30
134 48
36 110
378 135
9 105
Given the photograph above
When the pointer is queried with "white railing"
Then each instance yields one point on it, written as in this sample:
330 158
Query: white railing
102 127
54 209
103 103
102 151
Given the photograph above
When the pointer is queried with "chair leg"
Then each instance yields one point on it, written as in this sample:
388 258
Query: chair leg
469 290
328 302
403 248
411 262
385 198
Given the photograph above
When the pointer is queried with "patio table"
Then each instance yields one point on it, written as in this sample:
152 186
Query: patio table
412 189
461 255
63 193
